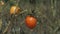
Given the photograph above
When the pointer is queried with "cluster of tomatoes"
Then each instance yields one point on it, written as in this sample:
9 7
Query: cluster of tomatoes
30 21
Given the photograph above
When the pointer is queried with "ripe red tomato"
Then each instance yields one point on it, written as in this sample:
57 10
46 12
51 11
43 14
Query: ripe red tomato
30 22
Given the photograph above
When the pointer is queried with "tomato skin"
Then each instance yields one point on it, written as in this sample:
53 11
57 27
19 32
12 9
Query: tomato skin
30 22
14 10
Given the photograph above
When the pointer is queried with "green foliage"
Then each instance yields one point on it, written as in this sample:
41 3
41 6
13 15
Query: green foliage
47 13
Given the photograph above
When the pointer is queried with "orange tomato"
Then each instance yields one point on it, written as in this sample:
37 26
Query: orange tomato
30 22
14 10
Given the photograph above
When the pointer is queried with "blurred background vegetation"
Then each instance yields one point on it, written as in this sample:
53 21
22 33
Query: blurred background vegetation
47 13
